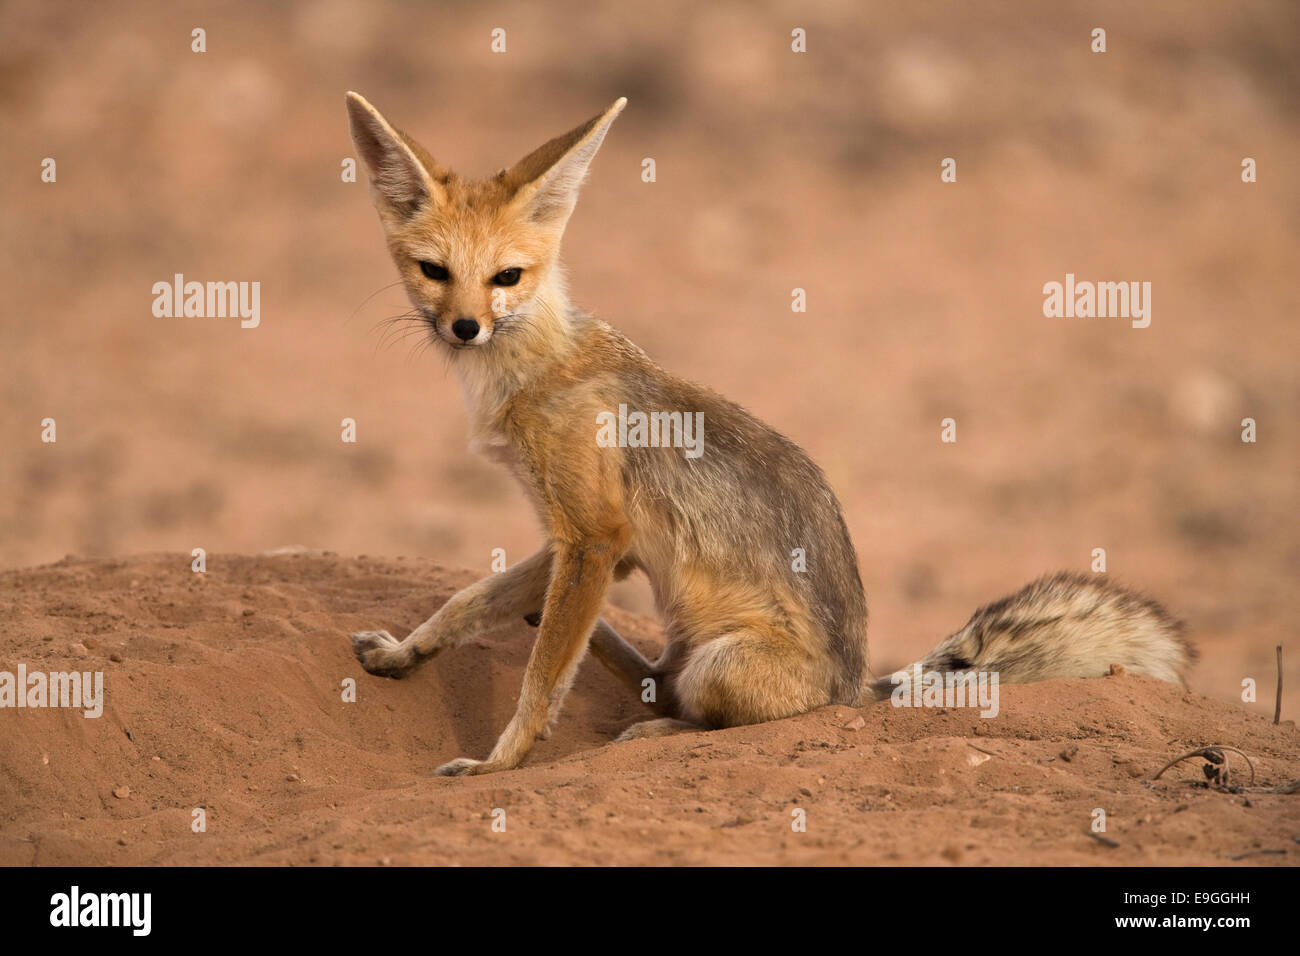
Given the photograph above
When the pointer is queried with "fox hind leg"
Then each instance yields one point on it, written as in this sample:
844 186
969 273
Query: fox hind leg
660 727
748 677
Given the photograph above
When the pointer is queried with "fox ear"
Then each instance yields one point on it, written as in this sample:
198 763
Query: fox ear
545 182
401 173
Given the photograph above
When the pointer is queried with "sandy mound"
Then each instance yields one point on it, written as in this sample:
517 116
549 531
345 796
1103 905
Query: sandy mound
224 691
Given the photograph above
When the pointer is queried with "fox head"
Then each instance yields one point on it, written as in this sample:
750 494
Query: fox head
479 259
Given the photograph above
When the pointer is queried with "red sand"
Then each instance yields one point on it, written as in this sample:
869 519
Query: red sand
229 684
775 171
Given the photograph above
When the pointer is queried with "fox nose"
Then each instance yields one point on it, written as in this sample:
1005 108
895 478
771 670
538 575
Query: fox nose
465 329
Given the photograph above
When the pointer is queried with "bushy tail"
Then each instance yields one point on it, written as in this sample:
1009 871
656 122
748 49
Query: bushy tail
1064 625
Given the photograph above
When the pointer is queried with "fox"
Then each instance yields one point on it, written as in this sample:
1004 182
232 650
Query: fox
750 635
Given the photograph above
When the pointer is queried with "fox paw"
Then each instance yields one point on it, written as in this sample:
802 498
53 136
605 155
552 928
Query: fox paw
662 727
381 654
464 767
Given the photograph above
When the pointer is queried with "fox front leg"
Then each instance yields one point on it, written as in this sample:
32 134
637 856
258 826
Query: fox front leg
580 577
485 604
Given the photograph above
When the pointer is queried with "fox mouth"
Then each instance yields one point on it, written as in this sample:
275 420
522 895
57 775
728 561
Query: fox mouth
460 345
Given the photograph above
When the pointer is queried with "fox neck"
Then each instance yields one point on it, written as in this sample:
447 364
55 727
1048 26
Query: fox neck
492 375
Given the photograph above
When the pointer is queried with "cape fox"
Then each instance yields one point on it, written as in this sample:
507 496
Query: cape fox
749 638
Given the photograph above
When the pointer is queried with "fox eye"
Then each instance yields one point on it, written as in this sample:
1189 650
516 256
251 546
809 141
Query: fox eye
506 277
435 272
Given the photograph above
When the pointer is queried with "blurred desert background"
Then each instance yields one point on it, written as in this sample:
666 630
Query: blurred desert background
775 170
